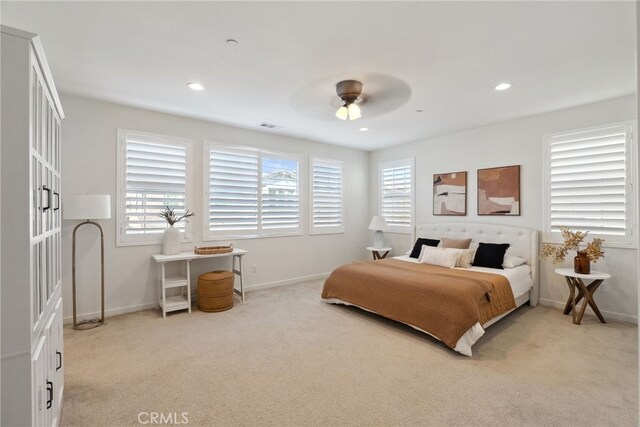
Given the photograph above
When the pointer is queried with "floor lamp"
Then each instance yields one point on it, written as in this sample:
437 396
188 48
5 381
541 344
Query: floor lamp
87 207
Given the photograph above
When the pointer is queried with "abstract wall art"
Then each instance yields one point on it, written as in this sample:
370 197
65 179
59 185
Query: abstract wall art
499 191
450 193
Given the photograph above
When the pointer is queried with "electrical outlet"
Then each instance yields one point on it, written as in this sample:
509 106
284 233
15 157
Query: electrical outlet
254 268
604 287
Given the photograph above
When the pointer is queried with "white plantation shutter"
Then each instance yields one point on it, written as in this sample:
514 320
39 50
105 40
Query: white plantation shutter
251 193
153 173
326 196
589 182
396 194
233 191
280 193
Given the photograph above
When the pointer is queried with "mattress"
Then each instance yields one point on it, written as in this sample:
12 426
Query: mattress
519 279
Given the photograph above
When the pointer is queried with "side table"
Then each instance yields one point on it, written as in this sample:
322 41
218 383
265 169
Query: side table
574 280
378 252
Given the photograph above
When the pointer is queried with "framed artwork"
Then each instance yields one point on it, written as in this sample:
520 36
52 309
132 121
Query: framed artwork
450 194
499 191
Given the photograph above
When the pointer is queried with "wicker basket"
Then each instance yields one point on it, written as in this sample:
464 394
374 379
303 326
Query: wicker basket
212 250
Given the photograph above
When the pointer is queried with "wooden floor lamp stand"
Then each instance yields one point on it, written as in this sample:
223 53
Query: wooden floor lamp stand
89 323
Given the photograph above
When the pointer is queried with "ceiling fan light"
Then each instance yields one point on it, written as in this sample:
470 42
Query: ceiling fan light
354 112
342 113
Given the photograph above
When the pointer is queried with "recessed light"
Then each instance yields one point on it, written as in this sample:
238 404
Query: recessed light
503 86
363 129
418 111
195 86
232 41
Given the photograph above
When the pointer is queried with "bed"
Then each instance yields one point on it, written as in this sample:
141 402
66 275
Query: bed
454 306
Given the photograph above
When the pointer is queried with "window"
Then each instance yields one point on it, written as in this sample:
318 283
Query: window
326 197
589 183
396 195
153 173
251 193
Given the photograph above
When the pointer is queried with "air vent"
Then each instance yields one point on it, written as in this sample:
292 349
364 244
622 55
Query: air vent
267 125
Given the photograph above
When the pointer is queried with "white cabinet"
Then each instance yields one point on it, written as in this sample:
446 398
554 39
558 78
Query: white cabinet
31 306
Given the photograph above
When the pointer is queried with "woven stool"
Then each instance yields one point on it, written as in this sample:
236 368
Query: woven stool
215 291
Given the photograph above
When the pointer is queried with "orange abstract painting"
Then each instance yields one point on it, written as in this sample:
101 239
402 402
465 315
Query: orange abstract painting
499 191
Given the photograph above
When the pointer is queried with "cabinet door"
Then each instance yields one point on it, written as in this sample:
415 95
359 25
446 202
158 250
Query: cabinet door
38 116
48 247
51 333
39 383
37 282
48 190
35 197
59 354
56 201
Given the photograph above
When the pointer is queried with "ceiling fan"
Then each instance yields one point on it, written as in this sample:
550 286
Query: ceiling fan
319 99
349 92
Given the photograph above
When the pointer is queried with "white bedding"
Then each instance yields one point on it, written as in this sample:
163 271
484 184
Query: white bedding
519 277
520 280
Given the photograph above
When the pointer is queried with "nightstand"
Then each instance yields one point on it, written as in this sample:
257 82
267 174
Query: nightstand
378 252
574 280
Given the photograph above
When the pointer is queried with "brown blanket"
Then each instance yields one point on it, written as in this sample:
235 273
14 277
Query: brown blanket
443 302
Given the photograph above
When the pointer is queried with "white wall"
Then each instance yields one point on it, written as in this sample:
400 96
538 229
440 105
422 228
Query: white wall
89 166
510 143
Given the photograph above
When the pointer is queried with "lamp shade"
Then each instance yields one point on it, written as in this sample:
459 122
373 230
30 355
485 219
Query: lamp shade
342 113
86 206
378 223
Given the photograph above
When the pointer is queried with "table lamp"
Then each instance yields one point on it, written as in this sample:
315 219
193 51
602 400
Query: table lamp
378 224
87 207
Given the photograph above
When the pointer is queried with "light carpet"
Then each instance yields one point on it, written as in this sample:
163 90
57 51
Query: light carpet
285 358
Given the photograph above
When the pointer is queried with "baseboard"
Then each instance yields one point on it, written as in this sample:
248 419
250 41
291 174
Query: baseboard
607 314
111 312
301 279
147 306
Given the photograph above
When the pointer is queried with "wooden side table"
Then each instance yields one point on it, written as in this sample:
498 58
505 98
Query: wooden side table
378 252
574 280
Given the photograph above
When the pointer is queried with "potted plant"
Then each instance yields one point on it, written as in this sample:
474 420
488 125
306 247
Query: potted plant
171 239
572 241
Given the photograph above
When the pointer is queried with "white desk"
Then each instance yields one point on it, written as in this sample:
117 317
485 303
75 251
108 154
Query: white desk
182 302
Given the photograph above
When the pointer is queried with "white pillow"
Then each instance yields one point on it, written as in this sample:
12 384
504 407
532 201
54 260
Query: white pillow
442 257
465 258
511 261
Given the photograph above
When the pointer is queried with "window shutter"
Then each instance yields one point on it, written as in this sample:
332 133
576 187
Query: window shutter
251 193
589 182
280 193
233 191
155 177
327 188
396 196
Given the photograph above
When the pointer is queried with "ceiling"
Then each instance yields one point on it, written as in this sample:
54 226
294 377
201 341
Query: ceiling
446 57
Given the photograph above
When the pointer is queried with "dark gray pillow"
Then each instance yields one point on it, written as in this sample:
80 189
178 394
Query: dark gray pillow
490 255
415 253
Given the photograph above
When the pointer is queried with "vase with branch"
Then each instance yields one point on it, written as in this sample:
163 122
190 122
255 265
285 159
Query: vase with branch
573 240
171 238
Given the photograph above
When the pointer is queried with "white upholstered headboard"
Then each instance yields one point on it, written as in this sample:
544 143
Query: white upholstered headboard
523 241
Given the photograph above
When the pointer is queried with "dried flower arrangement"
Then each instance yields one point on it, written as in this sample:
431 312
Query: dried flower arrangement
572 241
172 218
